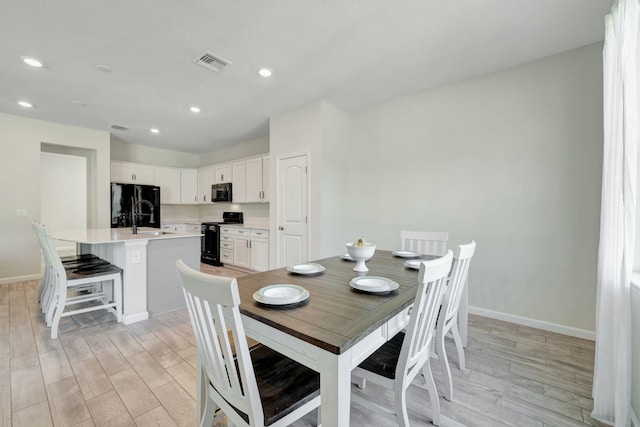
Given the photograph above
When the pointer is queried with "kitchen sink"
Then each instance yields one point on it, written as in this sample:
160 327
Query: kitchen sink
155 233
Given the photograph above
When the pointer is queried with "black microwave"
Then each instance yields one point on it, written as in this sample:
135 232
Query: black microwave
221 192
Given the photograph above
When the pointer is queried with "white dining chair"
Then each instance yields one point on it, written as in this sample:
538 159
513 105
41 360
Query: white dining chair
448 317
398 361
425 242
252 387
81 286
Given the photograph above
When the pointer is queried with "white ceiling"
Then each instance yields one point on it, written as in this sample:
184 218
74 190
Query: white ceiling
351 53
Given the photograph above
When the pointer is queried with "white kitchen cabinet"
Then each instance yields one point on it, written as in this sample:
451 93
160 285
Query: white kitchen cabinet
226 245
188 186
194 228
223 174
239 190
206 177
168 179
251 249
132 173
256 172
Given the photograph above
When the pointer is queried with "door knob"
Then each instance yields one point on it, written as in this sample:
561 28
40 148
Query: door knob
281 228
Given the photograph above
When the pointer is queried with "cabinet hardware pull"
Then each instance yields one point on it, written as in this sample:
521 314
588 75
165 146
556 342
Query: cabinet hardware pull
281 228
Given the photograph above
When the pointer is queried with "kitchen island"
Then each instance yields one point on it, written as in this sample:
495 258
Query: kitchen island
150 280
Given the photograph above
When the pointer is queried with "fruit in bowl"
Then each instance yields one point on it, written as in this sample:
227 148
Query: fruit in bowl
361 251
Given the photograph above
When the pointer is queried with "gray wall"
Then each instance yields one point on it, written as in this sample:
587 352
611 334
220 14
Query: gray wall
20 141
126 152
237 151
512 160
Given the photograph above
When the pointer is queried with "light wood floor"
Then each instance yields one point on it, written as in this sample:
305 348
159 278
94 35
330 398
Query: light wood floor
101 373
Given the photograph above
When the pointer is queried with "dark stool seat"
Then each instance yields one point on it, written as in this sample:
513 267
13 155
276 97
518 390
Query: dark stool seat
92 270
385 359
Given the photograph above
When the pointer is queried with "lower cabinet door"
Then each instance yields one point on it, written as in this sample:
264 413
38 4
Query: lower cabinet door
260 254
241 251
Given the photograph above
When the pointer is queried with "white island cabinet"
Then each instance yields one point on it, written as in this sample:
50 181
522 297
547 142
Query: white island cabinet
150 279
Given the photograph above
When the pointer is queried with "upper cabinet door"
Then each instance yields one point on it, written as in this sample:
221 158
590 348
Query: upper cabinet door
223 174
189 186
205 181
132 173
168 179
239 189
266 178
254 180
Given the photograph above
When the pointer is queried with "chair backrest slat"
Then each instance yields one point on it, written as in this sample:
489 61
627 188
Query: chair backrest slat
431 286
425 242
458 277
213 305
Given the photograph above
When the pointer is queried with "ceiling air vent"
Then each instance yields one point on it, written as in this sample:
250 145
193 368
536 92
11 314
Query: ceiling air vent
118 127
212 62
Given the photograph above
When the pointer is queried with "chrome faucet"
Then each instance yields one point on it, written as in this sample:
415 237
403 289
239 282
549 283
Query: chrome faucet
134 205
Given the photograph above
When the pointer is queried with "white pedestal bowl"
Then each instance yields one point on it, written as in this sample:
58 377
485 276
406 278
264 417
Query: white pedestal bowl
361 254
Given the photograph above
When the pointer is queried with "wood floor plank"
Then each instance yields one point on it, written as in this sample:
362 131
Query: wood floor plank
126 343
185 375
161 352
155 418
134 393
92 379
27 385
55 366
190 355
178 403
107 353
151 372
67 405
109 411
36 415
548 417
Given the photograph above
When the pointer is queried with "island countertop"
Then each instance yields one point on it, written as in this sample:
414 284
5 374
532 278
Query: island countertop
115 235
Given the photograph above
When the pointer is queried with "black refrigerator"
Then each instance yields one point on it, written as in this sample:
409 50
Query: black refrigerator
147 204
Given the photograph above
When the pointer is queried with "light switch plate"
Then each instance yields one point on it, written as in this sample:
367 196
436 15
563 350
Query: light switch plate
135 257
22 213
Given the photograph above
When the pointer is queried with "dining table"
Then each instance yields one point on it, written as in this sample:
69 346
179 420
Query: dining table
336 327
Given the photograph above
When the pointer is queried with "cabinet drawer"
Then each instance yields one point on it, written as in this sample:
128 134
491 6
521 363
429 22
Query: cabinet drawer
242 232
226 238
226 245
228 230
260 233
226 255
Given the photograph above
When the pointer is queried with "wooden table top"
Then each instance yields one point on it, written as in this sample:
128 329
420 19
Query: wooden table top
335 316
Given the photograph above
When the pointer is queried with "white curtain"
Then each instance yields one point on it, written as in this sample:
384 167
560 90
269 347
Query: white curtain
612 375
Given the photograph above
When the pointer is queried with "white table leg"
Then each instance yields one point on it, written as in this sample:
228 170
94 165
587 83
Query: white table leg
335 389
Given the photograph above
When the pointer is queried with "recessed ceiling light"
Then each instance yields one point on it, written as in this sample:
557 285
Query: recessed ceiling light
103 68
154 130
194 109
264 72
25 104
80 103
31 61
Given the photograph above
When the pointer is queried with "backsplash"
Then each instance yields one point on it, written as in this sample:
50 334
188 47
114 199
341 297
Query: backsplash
256 214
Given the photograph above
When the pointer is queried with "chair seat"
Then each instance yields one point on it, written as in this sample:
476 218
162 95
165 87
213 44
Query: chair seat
73 258
92 271
284 384
385 359
73 265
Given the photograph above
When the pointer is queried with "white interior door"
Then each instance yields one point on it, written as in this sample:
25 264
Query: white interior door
63 194
292 225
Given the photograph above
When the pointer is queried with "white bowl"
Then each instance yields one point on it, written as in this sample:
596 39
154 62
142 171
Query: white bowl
360 254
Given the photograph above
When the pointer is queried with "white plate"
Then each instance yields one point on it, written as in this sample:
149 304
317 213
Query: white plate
281 294
405 254
373 284
306 269
413 263
347 257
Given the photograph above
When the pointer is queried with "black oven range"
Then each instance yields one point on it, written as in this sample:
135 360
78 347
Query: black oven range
210 245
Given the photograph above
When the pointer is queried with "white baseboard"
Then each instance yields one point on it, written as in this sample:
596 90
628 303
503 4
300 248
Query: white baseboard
133 318
634 419
20 278
539 324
